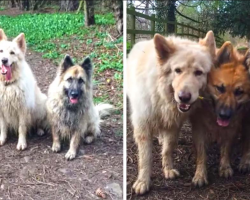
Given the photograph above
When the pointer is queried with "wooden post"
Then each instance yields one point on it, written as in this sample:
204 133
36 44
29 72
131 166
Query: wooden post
166 28
182 28
133 27
175 28
153 25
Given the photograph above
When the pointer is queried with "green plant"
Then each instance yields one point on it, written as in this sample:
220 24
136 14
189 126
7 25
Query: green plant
89 41
39 29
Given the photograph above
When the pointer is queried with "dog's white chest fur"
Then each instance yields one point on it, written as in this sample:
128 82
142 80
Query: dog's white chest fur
18 98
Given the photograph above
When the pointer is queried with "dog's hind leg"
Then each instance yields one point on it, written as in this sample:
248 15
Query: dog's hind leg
92 132
143 139
244 165
89 138
169 142
4 129
74 144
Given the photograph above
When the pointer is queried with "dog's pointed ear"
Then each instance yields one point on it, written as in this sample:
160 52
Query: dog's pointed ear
209 42
66 64
163 48
2 35
20 40
87 66
224 55
246 60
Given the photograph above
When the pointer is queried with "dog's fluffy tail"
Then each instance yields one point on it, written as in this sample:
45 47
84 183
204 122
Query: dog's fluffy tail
104 109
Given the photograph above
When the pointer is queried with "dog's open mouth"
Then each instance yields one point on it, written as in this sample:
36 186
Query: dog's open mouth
183 107
6 71
73 100
223 122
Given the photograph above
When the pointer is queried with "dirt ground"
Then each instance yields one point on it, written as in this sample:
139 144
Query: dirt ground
236 188
38 173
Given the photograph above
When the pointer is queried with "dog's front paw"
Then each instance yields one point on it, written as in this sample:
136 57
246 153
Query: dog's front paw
141 186
70 155
40 132
56 147
2 141
21 145
199 180
171 173
226 171
244 166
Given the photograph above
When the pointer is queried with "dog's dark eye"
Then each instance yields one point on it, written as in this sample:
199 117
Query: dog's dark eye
178 70
70 79
1 51
80 81
220 88
238 92
12 52
198 73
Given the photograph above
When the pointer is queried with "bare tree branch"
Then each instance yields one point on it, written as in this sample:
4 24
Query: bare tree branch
186 16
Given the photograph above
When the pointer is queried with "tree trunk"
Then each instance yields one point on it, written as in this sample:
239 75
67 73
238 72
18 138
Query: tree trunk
89 12
118 13
37 4
25 5
171 15
68 5
13 4
167 14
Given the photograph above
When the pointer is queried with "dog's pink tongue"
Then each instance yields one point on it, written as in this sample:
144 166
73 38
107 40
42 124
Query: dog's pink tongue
6 70
223 123
72 100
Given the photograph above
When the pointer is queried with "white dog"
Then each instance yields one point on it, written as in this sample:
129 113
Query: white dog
22 104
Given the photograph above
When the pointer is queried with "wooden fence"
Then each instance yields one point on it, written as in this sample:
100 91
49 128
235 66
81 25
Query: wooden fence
181 29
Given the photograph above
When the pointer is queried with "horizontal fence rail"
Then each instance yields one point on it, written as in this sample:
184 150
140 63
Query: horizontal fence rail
179 28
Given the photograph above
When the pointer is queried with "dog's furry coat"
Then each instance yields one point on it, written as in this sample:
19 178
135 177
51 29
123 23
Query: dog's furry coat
73 120
219 116
22 104
157 71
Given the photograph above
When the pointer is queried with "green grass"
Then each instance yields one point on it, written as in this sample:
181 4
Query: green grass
101 99
41 27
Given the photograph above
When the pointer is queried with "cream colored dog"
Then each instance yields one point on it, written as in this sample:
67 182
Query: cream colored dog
22 104
164 78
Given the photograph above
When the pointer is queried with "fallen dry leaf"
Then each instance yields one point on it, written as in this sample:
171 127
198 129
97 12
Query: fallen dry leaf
100 193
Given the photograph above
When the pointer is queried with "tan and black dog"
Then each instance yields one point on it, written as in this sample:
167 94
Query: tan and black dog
219 119
70 106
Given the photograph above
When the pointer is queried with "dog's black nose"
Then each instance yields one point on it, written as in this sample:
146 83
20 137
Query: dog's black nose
184 96
74 94
5 61
225 113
